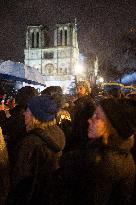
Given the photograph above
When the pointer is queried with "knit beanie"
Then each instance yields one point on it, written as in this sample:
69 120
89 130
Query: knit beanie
43 107
119 113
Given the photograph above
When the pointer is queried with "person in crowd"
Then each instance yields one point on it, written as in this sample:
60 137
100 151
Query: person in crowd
82 89
57 93
82 105
132 95
15 128
104 173
83 110
133 119
97 93
3 119
39 153
4 171
115 93
63 117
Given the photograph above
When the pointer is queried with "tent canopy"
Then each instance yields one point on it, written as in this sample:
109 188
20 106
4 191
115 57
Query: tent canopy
10 70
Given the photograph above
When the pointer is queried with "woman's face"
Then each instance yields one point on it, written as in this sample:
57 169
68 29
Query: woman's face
28 117
98 125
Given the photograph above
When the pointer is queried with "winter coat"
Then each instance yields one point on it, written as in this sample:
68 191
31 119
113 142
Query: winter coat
100 175
4 171
83 110
15 131
38 158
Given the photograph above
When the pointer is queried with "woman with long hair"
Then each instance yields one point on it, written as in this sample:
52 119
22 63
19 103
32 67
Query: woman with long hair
104 172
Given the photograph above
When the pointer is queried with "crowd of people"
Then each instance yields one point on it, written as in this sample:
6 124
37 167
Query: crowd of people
58 150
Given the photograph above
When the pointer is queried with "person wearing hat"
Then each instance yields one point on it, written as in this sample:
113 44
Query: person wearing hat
104 172
112 128
57 93
39 152
63 116
15 129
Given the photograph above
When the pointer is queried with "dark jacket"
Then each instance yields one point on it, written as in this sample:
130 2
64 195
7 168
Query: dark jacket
37 160
83 110
100 175
15 131
4 171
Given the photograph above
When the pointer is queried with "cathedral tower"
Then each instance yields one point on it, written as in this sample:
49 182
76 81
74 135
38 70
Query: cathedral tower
65 35
36 37
35 42
65 40
56 63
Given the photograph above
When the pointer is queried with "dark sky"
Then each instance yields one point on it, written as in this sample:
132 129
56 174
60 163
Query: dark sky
99 22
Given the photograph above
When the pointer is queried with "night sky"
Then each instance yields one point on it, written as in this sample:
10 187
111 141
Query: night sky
99 23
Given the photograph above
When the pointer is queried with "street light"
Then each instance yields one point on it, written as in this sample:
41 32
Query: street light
101 79
79 68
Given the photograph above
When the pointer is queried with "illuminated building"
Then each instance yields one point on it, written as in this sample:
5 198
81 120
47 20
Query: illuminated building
56 64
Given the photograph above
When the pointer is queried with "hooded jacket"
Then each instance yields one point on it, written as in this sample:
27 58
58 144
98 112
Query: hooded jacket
38 158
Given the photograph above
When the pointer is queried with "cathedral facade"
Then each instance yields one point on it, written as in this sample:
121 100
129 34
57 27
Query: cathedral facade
57 63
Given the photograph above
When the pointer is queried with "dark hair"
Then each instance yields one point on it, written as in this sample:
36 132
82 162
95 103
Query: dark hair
57 93
25 94
84 109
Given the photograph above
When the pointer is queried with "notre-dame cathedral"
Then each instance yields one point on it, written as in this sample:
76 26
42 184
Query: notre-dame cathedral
56 63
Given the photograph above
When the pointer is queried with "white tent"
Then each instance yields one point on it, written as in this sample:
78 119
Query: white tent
19 71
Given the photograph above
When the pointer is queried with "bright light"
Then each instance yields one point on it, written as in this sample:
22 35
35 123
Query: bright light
96 66
95 72
79 68
101 80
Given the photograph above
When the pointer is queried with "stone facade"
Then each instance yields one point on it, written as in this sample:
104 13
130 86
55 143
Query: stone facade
56 64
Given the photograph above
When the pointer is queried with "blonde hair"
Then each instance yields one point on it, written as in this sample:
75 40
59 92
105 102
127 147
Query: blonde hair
110 131
40 124
85 85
